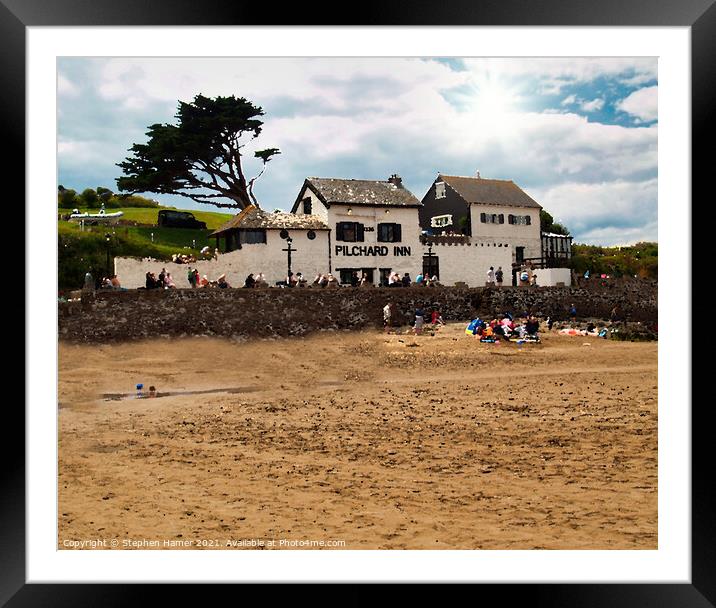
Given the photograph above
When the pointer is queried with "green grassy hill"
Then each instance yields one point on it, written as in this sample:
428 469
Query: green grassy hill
83 250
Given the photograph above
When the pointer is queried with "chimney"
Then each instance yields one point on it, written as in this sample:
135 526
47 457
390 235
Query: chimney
396 180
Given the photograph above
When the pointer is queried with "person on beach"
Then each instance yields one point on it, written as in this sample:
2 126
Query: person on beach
387 316
573 313
437 318
419 321
250 281
406 280
491 276
221 282
499 276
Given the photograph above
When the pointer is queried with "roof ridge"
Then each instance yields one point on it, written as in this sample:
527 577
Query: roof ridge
486 179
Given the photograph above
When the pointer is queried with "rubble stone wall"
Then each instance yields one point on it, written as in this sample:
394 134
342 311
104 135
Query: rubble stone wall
108 316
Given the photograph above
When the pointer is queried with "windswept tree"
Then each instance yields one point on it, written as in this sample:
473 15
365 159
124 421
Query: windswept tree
200 157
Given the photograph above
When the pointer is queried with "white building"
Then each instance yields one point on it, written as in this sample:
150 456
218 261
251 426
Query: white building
372 228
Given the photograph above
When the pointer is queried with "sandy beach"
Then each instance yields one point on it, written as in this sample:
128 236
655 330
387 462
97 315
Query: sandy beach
360 441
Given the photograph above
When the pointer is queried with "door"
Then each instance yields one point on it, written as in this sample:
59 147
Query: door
431 266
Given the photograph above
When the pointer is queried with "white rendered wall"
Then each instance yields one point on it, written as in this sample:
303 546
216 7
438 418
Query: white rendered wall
516 235
549 277
469 263
310 258
411 260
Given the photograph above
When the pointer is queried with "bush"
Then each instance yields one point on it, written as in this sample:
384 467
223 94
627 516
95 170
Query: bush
89 197
67 199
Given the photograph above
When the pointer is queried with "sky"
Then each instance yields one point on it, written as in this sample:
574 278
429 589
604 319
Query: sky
579 135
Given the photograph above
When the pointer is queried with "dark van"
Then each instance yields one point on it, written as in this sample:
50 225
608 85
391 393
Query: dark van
168 218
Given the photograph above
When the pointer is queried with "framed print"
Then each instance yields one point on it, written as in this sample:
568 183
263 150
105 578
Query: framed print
248 428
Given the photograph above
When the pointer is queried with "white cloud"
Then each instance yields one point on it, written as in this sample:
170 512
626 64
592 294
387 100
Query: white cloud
642 104
592 106
65 87
373 116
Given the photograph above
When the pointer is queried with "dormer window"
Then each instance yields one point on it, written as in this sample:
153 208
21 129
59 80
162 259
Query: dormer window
307 207
439 189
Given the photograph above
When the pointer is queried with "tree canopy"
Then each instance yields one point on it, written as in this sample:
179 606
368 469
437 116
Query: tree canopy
200 157
547 224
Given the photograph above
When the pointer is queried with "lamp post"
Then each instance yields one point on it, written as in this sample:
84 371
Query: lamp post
107 238
430 255
288 251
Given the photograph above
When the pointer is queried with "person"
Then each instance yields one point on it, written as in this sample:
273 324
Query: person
491 276
532 326
204 281
406 280
387 310
221 282
291 280
614 315
393 279
197 278
323 281
354 279
499 276
332 281
419 279
586 274
534 279
162 274
115 282
260 280
191 277
149 282
250 281
89 281
169 282
300 280
437 318
573 312
550 323
434 281
419 320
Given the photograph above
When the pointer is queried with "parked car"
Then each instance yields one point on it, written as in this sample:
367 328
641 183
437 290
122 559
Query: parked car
168 218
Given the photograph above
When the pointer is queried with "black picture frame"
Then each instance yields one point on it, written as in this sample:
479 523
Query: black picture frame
699 15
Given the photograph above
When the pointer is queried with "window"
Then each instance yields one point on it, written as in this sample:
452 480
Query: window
492 218
520 220
439 221
439 189
252 237
307 206
349 231
389 233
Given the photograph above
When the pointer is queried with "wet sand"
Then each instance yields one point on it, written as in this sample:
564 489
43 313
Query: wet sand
375 441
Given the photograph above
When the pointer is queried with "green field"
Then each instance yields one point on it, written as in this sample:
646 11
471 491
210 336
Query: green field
148 216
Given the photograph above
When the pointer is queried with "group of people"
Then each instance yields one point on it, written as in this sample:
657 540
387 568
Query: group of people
163 281
504 327
391 318
108 282
255 280
422 280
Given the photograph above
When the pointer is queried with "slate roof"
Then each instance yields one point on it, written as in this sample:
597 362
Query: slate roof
483 191
254 218
360 192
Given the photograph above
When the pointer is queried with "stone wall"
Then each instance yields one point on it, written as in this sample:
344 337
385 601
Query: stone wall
242 313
